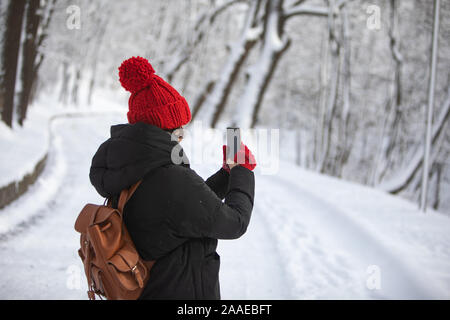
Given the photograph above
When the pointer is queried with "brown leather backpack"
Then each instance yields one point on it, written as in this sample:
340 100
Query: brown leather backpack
112 264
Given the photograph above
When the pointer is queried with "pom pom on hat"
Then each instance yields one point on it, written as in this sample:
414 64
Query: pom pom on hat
152 99
135 74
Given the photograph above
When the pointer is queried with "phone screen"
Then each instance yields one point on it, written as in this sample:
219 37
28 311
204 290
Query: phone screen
233 141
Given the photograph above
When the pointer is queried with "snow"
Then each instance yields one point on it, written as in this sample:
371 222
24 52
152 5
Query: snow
23 146
28 144
43 248
253 33
272 36
311 236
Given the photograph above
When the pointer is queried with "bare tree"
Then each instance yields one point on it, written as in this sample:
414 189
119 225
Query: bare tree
275 44
98 37
345 138
10 56
331 101
184 51
405 176
37 15
240 50
393 111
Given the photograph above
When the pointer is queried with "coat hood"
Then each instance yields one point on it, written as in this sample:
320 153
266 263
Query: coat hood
132 151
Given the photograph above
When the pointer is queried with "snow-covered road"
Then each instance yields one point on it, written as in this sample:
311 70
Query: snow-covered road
310 236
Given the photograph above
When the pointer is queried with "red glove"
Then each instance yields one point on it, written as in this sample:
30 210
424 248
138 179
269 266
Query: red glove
224 164
244 157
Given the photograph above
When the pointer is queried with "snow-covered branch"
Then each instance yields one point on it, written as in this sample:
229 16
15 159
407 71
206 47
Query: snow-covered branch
275 44
305 9
203 24
216 100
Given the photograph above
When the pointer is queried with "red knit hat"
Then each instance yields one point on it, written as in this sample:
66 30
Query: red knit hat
152 100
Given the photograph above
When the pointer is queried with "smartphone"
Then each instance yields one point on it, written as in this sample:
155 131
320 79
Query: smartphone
233 141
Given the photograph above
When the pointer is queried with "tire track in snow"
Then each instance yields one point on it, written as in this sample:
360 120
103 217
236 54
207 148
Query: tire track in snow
251 266
339 249
297 245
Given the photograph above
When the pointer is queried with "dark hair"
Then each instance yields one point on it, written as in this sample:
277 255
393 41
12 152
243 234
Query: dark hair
171 131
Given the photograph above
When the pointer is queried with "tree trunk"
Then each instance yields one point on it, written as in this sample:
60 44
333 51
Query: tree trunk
100 36
260 74
405 176
29 53
63 94
31 58
76 86
273 66
92 83
344 130
298 147
438 173
325 54
201 98
203 24
333 92
217 99
393 105
12 35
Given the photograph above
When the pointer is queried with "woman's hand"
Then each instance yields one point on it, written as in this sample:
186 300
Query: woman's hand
224 163
243 157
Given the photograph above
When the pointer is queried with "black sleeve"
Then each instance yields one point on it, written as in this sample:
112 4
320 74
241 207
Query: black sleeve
199 213
218 182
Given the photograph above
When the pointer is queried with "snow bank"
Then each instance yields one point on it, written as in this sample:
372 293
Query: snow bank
25 148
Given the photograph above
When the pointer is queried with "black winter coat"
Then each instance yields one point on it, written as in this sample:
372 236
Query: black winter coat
174 217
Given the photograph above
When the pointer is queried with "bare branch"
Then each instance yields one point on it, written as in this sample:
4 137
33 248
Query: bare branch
180 58
301 9
305 10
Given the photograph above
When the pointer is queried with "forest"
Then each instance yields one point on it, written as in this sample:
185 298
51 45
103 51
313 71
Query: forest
347 82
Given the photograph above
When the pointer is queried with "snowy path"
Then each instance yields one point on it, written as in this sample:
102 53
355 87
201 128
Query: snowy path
326 245
40 259
309 237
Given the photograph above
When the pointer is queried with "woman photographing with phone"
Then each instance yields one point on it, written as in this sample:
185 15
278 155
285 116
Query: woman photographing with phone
174 216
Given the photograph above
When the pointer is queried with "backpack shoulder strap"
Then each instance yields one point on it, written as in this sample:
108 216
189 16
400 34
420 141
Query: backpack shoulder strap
126 194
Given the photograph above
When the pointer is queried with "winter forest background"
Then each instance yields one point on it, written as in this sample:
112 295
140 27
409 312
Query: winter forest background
346 82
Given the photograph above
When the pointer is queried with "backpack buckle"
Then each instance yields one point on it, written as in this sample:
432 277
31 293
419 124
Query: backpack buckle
137 276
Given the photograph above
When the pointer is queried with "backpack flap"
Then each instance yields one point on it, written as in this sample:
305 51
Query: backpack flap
128 268
92 214
85 217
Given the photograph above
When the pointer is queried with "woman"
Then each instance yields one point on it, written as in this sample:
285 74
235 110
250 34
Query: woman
174 217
